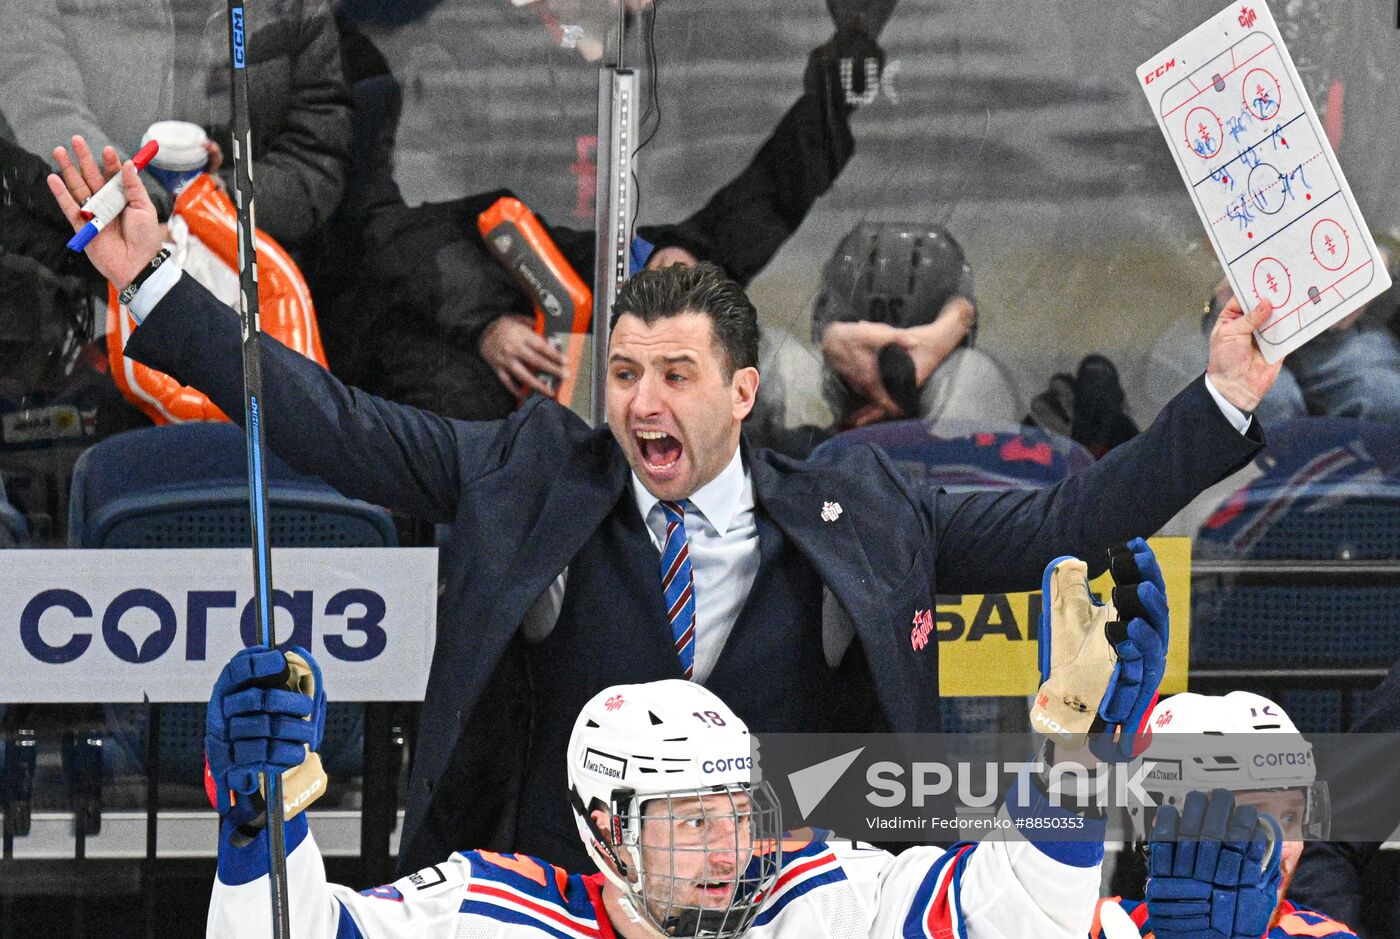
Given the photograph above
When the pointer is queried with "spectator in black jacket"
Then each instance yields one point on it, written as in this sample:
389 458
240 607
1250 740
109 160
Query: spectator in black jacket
30 224
434 321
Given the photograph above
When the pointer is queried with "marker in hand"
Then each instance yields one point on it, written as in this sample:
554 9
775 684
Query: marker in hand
107 203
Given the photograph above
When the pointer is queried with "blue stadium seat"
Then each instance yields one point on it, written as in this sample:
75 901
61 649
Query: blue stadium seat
964 458
185 486
1329 491
14 533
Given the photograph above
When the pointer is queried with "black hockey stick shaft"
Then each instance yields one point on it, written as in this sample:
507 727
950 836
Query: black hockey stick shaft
253 426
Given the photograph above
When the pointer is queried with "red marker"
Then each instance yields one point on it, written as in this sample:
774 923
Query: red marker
107 203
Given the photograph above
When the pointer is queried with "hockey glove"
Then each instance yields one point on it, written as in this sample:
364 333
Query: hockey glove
1214 869
1101 663
266 715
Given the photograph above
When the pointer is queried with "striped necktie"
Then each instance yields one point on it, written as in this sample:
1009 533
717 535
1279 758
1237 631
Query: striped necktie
677 585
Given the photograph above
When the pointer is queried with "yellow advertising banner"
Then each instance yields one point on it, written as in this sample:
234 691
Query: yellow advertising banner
988 644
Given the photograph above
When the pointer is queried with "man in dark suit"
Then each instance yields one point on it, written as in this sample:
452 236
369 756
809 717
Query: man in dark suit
662 546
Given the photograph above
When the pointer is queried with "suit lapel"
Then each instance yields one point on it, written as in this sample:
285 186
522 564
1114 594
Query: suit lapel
795 502
834 548
583 494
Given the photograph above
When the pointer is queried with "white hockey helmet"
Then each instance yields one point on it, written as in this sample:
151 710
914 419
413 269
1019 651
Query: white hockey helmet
1242 742
662 752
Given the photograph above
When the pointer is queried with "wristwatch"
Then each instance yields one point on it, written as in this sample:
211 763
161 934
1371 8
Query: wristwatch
129 291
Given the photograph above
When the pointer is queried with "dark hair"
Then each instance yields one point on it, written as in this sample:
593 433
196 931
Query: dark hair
703 288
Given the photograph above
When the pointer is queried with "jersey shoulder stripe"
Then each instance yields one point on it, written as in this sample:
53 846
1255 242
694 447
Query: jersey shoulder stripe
503 903
519 918
534 878
804 870
934 912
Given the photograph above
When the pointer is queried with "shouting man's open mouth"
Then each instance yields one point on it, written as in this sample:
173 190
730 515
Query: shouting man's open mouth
661 453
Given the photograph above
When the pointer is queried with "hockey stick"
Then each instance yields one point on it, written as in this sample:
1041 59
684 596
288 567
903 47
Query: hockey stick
253 418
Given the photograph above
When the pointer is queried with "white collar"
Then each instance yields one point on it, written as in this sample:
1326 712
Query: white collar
719 500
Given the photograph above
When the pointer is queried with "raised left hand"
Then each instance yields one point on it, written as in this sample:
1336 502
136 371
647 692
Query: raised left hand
1236 366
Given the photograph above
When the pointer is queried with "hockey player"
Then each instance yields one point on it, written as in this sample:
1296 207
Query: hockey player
687 842
1210 874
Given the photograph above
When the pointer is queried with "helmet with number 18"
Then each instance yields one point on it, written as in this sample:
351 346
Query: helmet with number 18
661 782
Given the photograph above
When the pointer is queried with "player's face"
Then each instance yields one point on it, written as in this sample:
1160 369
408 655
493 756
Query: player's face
1288 807
695 852
671 407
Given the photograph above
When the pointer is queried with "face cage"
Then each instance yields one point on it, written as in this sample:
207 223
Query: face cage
723 853
1317 812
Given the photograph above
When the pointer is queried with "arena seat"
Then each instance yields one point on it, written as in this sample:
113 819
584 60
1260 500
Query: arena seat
965 456
14 533
1329 491
185 486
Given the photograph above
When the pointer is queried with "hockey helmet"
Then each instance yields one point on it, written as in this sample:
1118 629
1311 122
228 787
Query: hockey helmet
896 273
691 836
1242 742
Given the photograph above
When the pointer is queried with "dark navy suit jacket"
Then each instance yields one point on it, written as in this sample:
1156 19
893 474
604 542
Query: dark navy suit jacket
525 493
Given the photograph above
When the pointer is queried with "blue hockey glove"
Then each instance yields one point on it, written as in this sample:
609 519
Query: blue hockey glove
1101 663
1214 869
1140 646
255 725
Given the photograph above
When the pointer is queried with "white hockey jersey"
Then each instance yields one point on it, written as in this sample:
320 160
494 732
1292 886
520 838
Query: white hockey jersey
1001 888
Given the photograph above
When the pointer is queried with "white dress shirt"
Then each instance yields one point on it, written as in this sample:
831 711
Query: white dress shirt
724 557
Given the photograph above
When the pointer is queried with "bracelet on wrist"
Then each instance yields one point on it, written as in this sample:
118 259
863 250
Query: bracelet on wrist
129 291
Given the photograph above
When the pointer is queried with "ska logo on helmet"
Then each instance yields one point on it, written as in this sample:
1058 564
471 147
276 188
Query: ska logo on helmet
613 703
604 764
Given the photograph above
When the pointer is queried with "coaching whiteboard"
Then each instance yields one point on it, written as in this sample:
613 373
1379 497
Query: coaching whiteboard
1262 175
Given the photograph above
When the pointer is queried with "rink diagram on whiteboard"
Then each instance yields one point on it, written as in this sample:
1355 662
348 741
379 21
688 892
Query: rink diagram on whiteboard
1264 180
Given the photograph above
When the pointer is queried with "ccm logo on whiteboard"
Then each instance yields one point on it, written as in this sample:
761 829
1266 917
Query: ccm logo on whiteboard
1159 71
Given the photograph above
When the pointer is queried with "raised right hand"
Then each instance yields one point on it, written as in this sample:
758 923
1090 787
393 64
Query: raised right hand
128 243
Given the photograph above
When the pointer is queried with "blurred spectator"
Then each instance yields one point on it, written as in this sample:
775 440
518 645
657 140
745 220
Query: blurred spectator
895 319
1089 407
432 319
49 368
109 70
